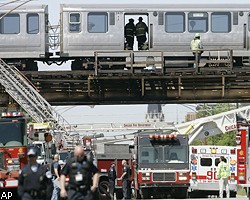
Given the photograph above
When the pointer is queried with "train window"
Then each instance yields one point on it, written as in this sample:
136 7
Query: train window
97 22
221 22
74 22
175 22
198 22
206 162
32 23
10 24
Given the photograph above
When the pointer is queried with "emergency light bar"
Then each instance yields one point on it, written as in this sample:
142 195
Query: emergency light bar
162 137
12 114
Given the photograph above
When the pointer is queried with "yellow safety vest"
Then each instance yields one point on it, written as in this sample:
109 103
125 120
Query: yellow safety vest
196 45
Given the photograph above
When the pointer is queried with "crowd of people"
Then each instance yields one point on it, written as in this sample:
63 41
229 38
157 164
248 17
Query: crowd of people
41 182
45 182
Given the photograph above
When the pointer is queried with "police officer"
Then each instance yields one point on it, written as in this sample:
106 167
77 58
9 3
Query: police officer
112 176
140 31
56 171
81 171
126 184
34 181
222 175
129 32
196 47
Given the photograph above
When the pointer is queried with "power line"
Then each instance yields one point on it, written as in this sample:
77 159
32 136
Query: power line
14 7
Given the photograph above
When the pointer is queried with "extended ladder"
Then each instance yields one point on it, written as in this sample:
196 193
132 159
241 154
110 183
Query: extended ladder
22 91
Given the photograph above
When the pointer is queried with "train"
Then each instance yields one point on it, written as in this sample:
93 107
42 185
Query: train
93 33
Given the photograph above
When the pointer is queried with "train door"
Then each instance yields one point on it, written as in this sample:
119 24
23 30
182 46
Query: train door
133 44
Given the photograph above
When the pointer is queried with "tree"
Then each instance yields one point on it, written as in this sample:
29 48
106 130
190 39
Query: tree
223 139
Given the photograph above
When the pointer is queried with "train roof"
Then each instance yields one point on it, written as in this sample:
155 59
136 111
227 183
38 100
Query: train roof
152 7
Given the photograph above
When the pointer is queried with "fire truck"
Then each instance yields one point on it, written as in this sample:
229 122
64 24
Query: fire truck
243 155
159 163
204 166
13 149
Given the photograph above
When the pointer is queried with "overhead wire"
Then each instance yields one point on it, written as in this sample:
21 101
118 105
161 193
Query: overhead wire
25 2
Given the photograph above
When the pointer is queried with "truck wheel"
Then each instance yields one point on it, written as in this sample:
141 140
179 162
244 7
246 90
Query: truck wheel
104 189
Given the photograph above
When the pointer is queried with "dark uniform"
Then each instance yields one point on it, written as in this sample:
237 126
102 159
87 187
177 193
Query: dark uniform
80 178
112 176
129 32
35 182
126 183
140 31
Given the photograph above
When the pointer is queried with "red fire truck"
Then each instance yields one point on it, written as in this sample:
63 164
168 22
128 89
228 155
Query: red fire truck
243 167
159 163
13 150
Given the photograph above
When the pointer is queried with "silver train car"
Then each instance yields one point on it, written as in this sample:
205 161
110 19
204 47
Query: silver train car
90 33
86 29
24 35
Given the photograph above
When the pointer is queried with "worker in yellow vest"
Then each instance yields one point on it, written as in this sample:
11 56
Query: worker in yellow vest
222 175
196 47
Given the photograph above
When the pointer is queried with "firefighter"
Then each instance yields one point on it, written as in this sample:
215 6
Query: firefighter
196 47
112 176
129 32
140 31
222 175
126 183
34 181
81 171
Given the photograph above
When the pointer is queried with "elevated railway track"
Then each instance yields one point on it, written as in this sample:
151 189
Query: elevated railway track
145 86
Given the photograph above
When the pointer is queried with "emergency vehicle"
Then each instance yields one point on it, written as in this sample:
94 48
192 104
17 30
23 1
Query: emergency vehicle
159 163
13 149
204 162
243 156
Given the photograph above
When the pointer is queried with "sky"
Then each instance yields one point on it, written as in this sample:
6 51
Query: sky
117 113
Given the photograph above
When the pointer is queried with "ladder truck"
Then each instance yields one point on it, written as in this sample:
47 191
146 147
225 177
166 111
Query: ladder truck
204 159
24 93
243 153
13 151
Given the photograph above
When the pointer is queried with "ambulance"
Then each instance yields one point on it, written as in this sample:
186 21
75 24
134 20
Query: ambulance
204 162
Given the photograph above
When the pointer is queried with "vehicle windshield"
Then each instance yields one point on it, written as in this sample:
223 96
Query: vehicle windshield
163 154
12 133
